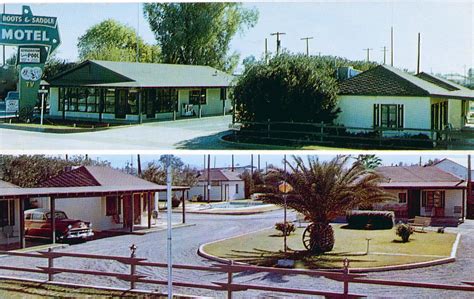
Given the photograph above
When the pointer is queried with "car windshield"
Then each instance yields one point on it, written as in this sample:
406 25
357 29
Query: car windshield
58 215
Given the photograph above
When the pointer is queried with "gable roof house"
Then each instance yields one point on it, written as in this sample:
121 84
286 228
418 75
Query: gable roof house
106 197
133 92
225 185
389 98
424 191
457 169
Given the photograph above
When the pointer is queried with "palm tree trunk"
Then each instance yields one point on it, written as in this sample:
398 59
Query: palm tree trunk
321 237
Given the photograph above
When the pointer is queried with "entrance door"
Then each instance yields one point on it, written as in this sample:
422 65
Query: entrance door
121 103
127 208
413 203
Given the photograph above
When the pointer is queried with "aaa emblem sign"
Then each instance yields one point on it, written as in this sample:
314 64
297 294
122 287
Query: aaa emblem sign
29 30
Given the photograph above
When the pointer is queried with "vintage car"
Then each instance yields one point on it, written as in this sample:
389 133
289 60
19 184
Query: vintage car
38 225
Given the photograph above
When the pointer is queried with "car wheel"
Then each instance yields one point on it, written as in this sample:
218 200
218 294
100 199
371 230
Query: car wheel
58 237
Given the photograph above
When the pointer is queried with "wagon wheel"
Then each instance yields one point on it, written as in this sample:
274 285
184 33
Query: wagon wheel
307 237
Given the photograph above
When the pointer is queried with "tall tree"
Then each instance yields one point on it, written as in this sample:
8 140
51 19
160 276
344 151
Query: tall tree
198 33
370 161
29 171
322 190
113 41
183 175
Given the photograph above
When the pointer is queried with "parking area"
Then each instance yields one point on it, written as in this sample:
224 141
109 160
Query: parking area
194 133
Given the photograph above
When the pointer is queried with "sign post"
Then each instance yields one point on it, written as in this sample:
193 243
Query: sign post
36 38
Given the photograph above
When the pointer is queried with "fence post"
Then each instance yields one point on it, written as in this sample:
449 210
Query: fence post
230 277
133 250
268 128
50 265
321 131
346 278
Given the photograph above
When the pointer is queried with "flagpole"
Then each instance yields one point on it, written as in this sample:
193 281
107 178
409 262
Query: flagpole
168 209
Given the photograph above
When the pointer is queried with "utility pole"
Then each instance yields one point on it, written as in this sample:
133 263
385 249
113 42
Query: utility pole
138 32
258 162
208 178
232 163
307 43
251 165
368 53
391 46
278 40
384 50
266 50
418 57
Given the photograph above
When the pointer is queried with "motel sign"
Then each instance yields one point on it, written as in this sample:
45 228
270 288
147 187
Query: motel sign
36 38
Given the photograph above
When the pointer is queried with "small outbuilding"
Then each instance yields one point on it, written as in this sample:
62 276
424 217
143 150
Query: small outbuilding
386 97
133 92
424 191
225 185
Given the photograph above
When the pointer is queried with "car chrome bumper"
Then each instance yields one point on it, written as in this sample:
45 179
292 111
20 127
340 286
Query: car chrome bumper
79 235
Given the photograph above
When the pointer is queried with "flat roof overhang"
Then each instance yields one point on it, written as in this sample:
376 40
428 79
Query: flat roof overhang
75 192
135 85
424 185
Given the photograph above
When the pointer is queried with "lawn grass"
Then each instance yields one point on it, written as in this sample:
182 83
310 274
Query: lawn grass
32 290
266 247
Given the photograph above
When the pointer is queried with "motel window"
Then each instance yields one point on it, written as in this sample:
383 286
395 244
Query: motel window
166 99
7 213
79 99
402 198
197 96
132 102
110 101
236 188
433 199
112 206
388 115
223 94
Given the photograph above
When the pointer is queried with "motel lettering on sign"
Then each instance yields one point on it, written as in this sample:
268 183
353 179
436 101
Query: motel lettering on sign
29 30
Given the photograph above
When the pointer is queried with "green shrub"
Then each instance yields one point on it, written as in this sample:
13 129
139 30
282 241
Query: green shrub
290 227
404 231
370 219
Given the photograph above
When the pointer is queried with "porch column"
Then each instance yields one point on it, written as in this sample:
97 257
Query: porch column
463 204
132 212
184 207
148 198
22 222
140 107
52 205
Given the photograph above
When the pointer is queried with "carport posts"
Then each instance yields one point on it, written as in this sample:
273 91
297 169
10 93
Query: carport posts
22 222
184 207
52 208
132 212
148 198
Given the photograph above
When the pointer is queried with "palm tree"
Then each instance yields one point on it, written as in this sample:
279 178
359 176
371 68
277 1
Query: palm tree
322 190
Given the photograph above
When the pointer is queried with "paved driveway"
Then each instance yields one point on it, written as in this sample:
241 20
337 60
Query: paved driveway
186 241
181 134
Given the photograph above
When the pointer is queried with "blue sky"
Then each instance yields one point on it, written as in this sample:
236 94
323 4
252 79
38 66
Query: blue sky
224 159
339 28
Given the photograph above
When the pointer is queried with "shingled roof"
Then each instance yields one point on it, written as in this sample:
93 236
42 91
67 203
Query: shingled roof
218 174
97 73
95 176
384 80
418 176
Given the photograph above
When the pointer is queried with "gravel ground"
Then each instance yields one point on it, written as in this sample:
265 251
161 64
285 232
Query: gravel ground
186 241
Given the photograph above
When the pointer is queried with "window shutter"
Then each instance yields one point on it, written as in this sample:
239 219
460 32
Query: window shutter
376 115
400 116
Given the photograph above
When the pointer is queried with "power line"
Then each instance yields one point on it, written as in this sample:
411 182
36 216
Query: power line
307 43
278 40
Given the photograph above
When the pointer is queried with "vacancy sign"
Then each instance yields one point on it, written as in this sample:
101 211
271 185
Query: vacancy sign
29 30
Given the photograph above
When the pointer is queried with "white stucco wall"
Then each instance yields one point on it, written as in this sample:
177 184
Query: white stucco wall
452 198
218 192
16 227
90 209
358 111
455 114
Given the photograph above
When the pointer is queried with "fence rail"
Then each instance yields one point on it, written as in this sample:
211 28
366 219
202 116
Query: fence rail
133 277
311 133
